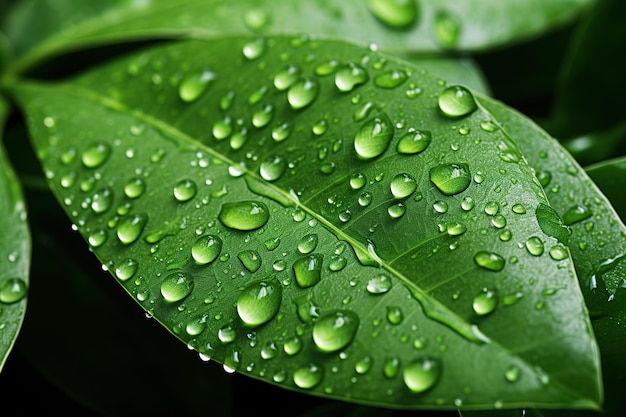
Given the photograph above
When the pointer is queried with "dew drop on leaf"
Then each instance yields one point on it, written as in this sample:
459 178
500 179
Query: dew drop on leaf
558 252
373 137
254 49
281 132
455 229
512 374
308 270
391 367
263 117
518 209
273 168
222 128
451 179
131 227
414 141
485 302
185 190
227 334
394 315
12 290
447 29
379 284
250 259
176 286
206 249
95 155
259 302
244 215
576 214
357 181
286 77
126 270
350 76
134 188
97 237
390 79
396 210
334 331
403 185
307 377
102 200
422 374
489 260
456 101
302 93
193 85
397 14
308 243
534 246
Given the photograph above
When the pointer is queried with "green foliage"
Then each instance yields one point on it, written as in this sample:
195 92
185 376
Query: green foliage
329 200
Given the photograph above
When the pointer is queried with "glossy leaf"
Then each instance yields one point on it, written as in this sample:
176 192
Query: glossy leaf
609 177
334 232
425 25
14 251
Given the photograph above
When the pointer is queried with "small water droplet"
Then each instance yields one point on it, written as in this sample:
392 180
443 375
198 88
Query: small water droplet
308 243
176 286
273 168
492 208
12 290
95 155
286 78
447 29
498 221
253 50
397 14
558 252
576 214
307 377
130 228
512 374
440 206
422 374
185 190
334 331
302 93
126 270
534 245
365 199
391 367
544 178
134 188
467 203
206 249
394 315
373 137
244 215
227 334
364 365
379 284
281 132
518 209
308 270
263 117
403 185
390 79
337 263
489 260
193 85
485 302
349 76
222 128
455 229
97 238
457 101
414 141
250 259
451 179
396 210
259 302
102 200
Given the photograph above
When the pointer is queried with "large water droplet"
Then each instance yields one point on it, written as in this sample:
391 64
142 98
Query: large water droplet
286 78
185 190
12 290
308 243
273 168
534 245
95 155
126 270
259 302
457 101
302 93
176 286
451 179
489 260
193 85
390 79
373 138
308 270
206 249
102 200
263 117
397 14
335 331
350 76
131 227
308 376
222 128
403 185
551 223
134 188
244 215
414 141
576 214
379 284
485 302
447 29
422 374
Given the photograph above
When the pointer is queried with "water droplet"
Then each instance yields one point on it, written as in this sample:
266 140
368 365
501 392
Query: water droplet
97 238
391 367
373 138
518 209
403 185
308 376
95 155
259 302
365 199
222 128
308 243
447 29
492 208
302 93
544 178
308 270
467 203
485 302
451 179
390 79
498 221
337 263
394 315
256 19
293 346
253 50
551 224
576 214
414 141
134 188
286 78
193 85
440 206
397 14
396 211
176 286
126 269
250 259
227 334
364 365
512 374
534 245
422 374
244 215
273 168
350 76
457 101
489 260
558 252
12 290
334 331
455 229
379 284
206 249
185 190
263 117
281 132
102 200
68 179
131 227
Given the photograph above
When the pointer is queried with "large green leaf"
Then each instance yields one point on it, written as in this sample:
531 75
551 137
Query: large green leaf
609 176
325 218
42 28
14 251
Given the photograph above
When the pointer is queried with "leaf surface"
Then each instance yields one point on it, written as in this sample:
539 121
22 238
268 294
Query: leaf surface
308 213
427 25
14 251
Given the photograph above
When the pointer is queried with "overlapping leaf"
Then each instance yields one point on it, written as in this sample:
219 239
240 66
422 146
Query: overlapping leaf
325 218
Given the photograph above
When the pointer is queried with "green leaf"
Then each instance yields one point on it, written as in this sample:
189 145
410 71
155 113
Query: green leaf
302 230
427 25
609 177
14 251
598 146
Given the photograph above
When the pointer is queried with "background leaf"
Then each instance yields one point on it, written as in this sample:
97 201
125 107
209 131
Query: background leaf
263 184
